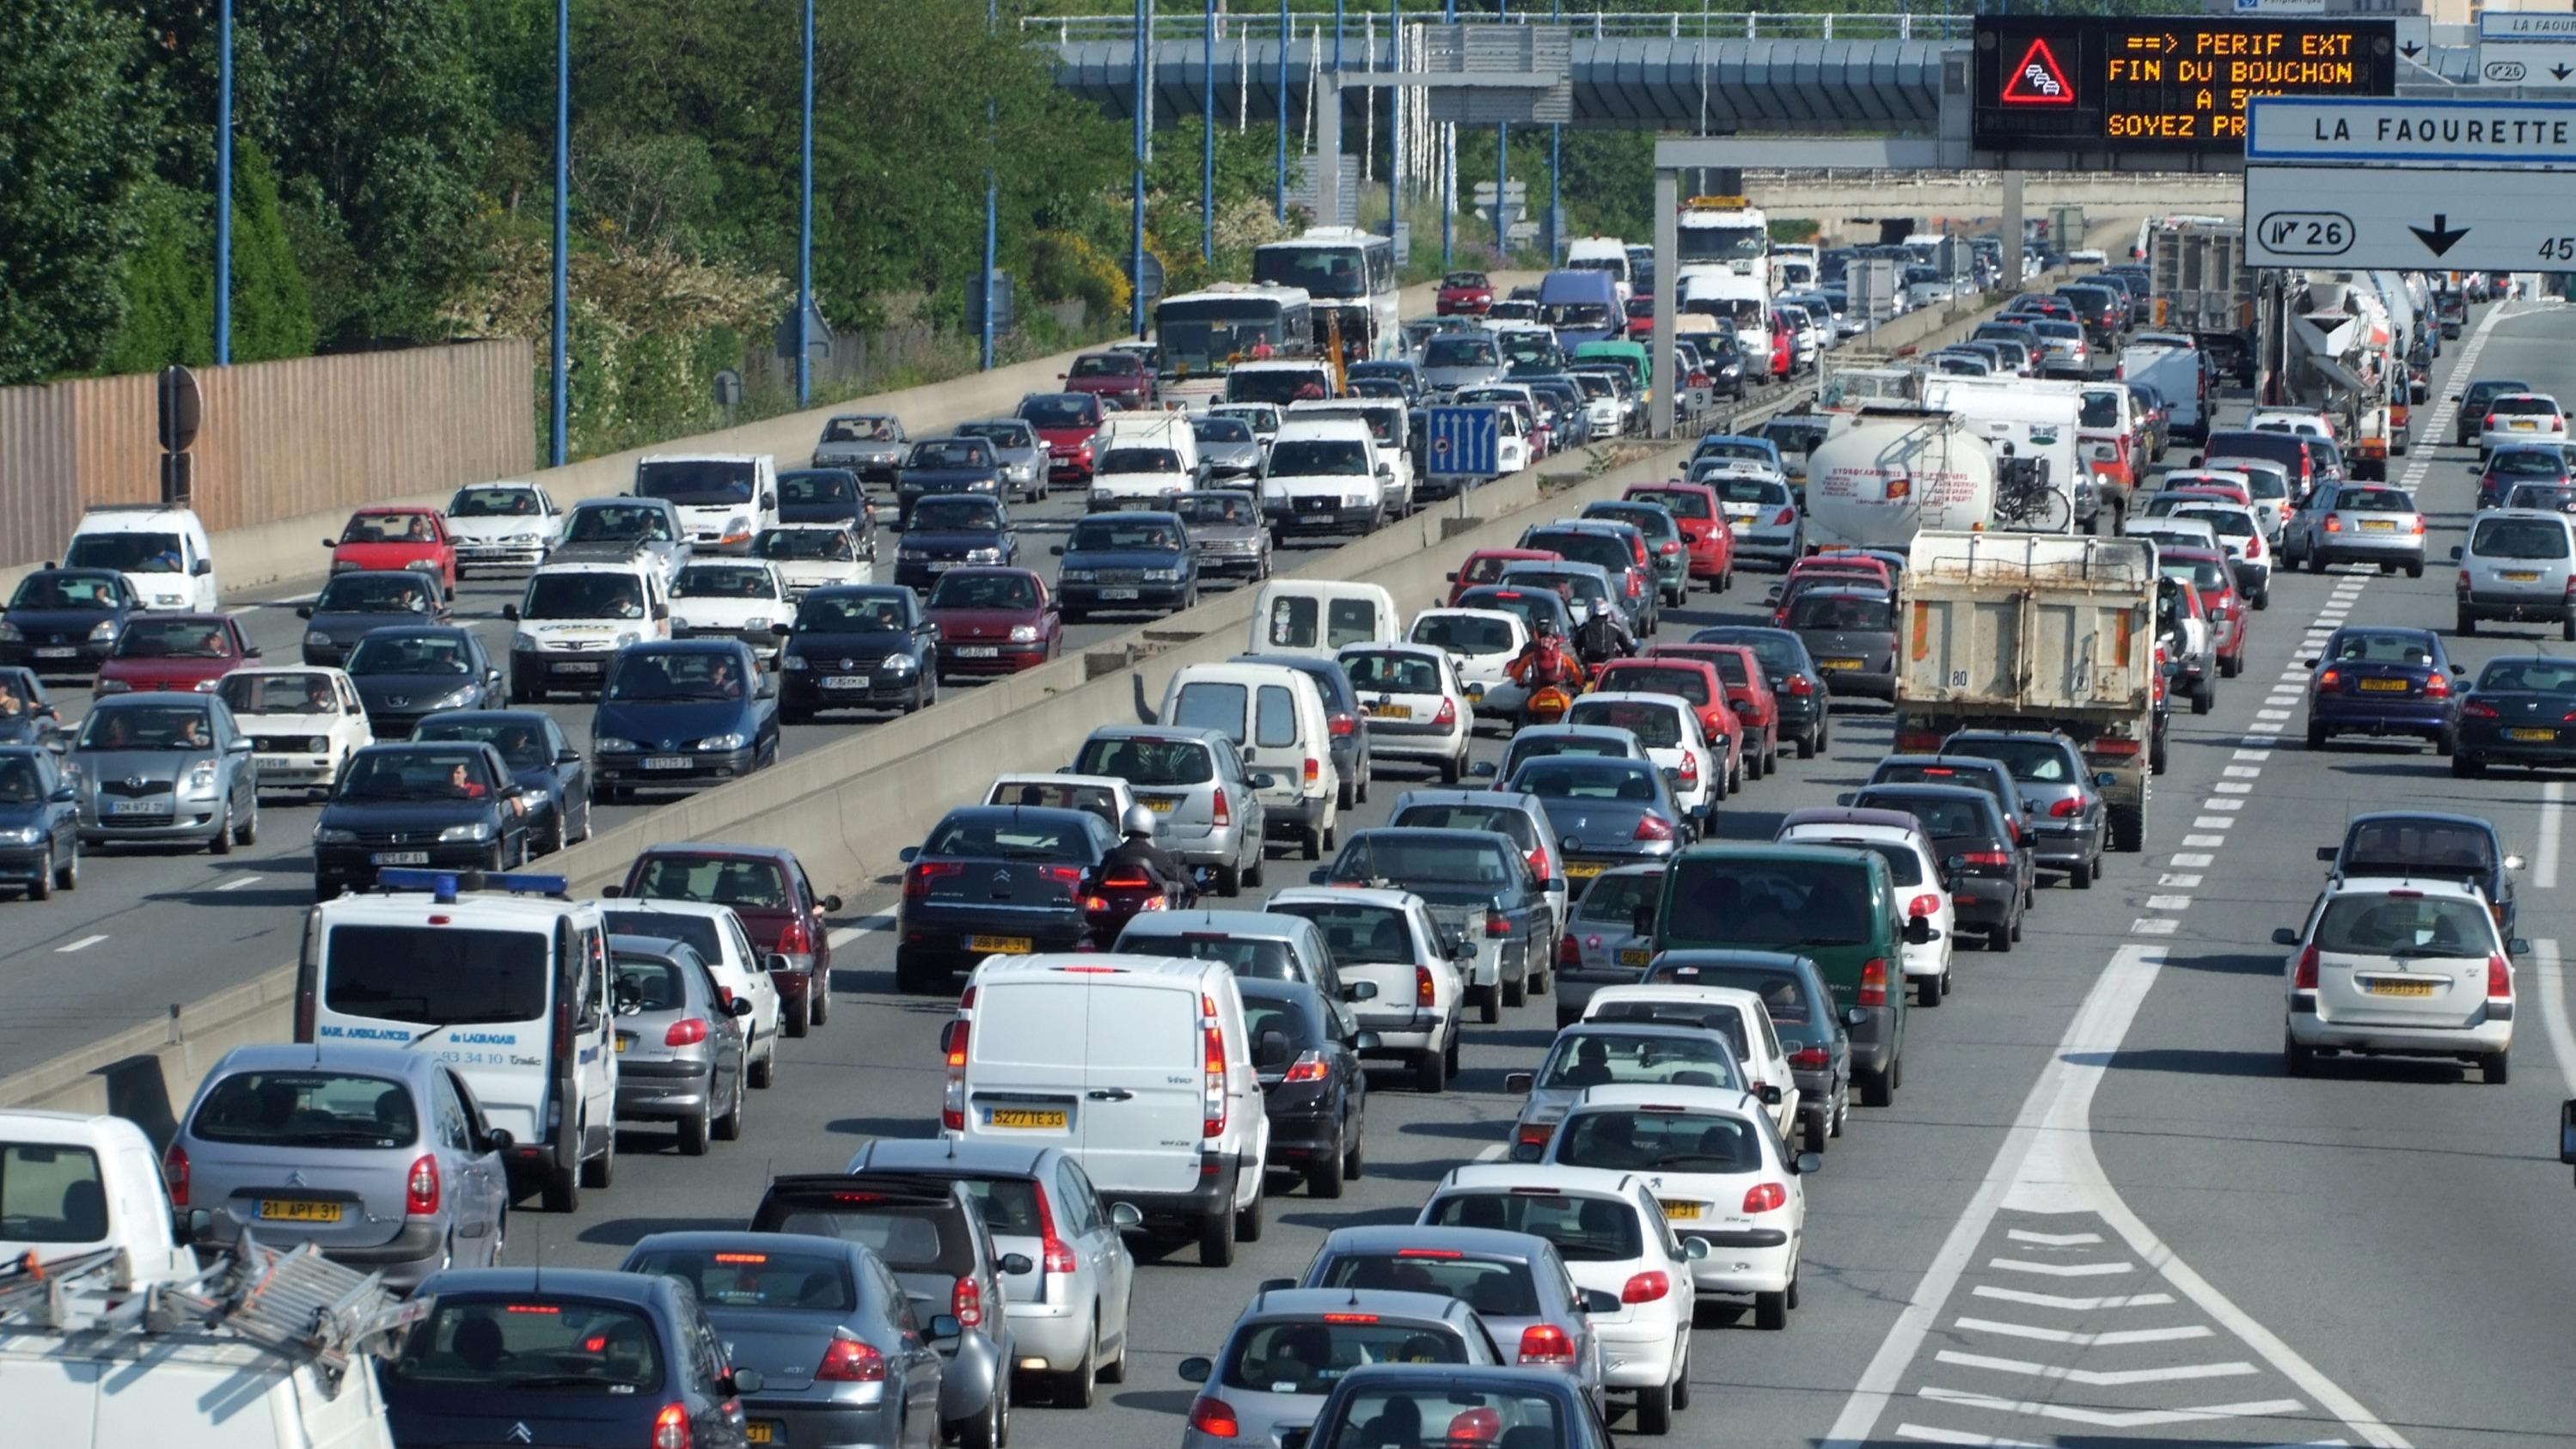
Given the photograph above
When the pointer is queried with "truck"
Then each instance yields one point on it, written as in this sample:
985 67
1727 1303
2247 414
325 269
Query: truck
2344 362
79 1185
2198 283
1892 472
2035 631
2031 420
1875 288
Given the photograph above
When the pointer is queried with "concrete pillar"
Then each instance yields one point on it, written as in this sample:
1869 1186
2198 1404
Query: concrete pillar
1659 352
1328 150
2012 231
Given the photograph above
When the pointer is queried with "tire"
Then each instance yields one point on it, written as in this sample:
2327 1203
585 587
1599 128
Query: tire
763 1071
1431 1072
728 1128
41 886
818 998
2567 628
1824 735
1807 745
1347 796
1929 993
2156 754
1249 1222
1681 1381
1355 1162
562 1192
1818 1132
1073 1389
1655 1410
2230 668
67 873
2081 877
2415 570
1876 1090
554 837
801 1020
694 1132
1999 938
248 834
1216 1238
601 1171
2468 767
1516 993
2316 735
2496 1067
1771 1311
2296 1060
222 844
1489 1005
1325 1179
1229 880
1452 770
2204 698
987 1430
1312 847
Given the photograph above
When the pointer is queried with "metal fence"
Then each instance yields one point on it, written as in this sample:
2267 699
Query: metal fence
1665 25
278 439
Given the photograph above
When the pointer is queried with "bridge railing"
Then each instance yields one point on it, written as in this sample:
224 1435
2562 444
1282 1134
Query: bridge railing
1666 25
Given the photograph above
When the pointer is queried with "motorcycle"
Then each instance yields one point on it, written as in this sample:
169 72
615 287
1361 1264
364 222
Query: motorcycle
1122 893
1548 704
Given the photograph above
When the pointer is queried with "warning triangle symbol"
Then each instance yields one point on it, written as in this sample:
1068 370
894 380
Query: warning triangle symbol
2039 80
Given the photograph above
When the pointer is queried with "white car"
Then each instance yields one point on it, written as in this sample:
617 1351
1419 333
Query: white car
812 556
1669 730
2303 421
732 958
1418 710
1911 867
2402 967
1614 1239
1106 796
1712 1159
2521 417
1388 939
729 598
2240 532
502 525
1481 644
1733 1010
303 724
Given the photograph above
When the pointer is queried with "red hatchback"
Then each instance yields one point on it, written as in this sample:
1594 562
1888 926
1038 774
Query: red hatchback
395 538
2225 608
1121 377
1464 294
1748 693
1065 421
994 621
1641 317
188 652
1696 683
1486 565
1705 534
768 888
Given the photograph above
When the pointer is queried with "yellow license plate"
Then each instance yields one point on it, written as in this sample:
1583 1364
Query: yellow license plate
287 1210
2534 736
1475 694
2385 686
1159 804
1681 1211
625 1039
2401 988
1005 945
2521 576
1026 1117
1390 711
760 1431
1838 664
1635 956
2520 425
2378 525
1581 870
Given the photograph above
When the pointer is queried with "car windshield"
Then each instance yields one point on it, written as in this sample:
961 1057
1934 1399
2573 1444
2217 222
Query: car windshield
1633 781
714 880
146 638
1060 412
493 503
1599 1058
521 742
1628 1140
676 675
1146 761
2523 538
1310 1355
279 694
1656 726
1011 835
391 591
985 591
308 1108
741 1277
813 545
810 488
528 1343
64 591
1874 612
859 430
2392 647
724 581
147 727
1584 1229
950 453
1494 1289
1123 535
583 596
2405 924
1467 634
2373 500
1201 510
1319 457
1776 904
1358 933
957 515
852 614
2033 762
1392 673
1405 857
388 652
617 523
2544 676
127 553
416 775
446 977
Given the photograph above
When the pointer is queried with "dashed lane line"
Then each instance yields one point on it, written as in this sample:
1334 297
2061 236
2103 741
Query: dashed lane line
83 944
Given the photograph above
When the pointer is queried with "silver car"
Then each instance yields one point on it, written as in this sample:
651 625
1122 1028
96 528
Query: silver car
680 1048
1259 945
2517 566
1455 360
1195 780
1067 1306
163 769
1522 817
1291 1346
2068 823
375 1155
1020 451
2366 523
1610 939
1229 448
871 445
1763 515
1226 531
1591 1054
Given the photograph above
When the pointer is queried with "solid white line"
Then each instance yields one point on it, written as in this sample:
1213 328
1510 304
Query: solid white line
2098 1378
83 944
1956 1436
2061 1270
2052 1240
237 883
2135 1419
2552 990
2544 856
2110 1339
2071 1305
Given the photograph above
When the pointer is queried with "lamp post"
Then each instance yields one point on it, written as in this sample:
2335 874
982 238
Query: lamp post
1449 167
224 186
1283 110
1207 154
1136 203
563 186
992 203
805 233
1555 172
1394 117
1502 167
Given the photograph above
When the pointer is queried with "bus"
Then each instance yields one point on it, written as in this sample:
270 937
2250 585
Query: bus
1348 276
1203 334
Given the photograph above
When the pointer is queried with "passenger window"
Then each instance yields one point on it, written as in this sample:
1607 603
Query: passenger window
453 1133
1071 1200
1274 723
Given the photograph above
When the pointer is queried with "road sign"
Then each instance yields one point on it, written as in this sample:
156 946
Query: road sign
1465 442
1516 192
2528 63
2346 131
2526 25
2280 7
2161 83
2492 220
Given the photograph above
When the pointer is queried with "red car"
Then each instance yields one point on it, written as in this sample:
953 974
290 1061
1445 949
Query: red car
1486 565
1696 683
1641 318
395 538
1784 348
768 888
1748 693
1465 294
1121 377
1066 422
1696 508
994 621
175 652
2219 602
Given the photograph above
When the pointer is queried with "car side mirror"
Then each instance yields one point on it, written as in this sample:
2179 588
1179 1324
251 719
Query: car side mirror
204 566
1271 1051
2455 553
1125 1217
741 1006
944 1325
1319 876
1264 782
1366 1041
1856 1017
238 747
2284 936
1015 1263
1770 1095
1519 1083
1806 1162
1482 769
510 611
2513 862
305 611
745 1381
498 1139
831 903
1598 1301
1359 991
1195 1370
1694 1249
2328 853
2517 946
64 795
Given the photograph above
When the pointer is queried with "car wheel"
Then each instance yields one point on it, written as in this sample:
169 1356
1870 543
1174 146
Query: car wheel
601 1171
222 844
1216 1238
2414 570
1253 873
1355 1161
799 1017
2297 1060
728 1128
1877 1089
1348 797
1655 1410
2468 767
1451 771
763 1070
1771 1311
1229 881
2496 1068
67 873
1807 745
2081 875
986 1430
1431 1071
818 999
562 1192
1819 1131
1516 993
2205 698
2230 668
1073 1389
1928 991
40 886
693 1135
1489 1004
1313 845
2316 735
1325 1178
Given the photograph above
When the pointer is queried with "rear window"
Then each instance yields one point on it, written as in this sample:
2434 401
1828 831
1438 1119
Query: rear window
1496 1290
2382 648
1502 818
533 1344
2530 405
1293 622
1678 503
1405 857
1618 898
1265 960
910 1235
1648 1141
653 983
1688 684
738 1278
51 1194
1778 904
448 976
1304 1356
1737 489
1783 994
1393 673
2545 676
1014 836
2404 926
309 1108
1655 726
1583 1058
1939 817
1633 781
1842 611
2531 538
1355 933
1150 762
2527 462
1584 1229
1464 633
1209 705
701 932
2400 845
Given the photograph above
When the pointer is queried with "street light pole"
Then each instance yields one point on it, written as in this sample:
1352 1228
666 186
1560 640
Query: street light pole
1394 118
1283 109
992 203
1502 166
805 233
224 188
1136 203
1555 172
1207 154
563 188
1448 144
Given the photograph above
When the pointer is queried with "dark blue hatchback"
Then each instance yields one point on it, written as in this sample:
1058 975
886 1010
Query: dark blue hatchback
686 713
2375 680
64 621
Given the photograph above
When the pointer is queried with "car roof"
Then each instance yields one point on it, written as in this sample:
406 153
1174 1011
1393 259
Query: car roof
1860 816
1381 896
777 853
1394 1237
1386 1302
1504 1176
1254 924
2425 885
950 1157
383 1061
641 1290
1667 1094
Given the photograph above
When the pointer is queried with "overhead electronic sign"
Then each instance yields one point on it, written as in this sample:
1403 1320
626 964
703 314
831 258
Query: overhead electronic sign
2175 83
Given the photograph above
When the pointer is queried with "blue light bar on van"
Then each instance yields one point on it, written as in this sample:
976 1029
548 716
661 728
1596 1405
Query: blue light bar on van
444 884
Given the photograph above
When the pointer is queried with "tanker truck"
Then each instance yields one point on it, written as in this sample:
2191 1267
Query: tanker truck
1885 474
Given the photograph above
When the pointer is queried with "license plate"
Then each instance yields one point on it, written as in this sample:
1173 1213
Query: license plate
1634 955
1120 593
2520 576
138 807
625 1039
1314 518
578 666
401 857
56 653
979 651
1681 1211
2384 987
2378 525
666 762
1159 804
2520 425
2385 686
940 565
1581 869
845 681
1390 711
2534 736
286 1210
1005 945
1838 664
1037 1118
759 1431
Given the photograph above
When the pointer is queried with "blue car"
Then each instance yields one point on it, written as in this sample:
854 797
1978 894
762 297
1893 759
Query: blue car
39 822
1127 561
27 715
954 530
550 773
2375 680
64 621
685 713
446 806
865 646
1450 1404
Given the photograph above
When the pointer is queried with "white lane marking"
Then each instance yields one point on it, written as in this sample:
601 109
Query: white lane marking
2180 880
2052 1240
2232 787
2212 822
2222 804
2110 1338
1493 1153
83 944
2071 1305
2193 859
2211 841
2097 1378
2272 714
237 882
1956 1436
2062 1270
2242 772
2256 755
2168 903
861 927
2112 1419
2154 926
2552 990
2544 856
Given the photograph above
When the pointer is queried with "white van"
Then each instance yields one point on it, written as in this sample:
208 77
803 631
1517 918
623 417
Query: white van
1276 718
1325 477
1319 617
1389 423
79 1185
724 498
1143 460
508 985
164 553
1138 1067
572 619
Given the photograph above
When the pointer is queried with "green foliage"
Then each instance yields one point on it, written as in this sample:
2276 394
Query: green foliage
72 148
169 283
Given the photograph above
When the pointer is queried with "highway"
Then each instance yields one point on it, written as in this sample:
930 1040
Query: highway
2098 1212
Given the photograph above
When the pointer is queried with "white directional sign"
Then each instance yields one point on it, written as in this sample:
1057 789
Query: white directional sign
2526 25
2371 131
2460 219
2542 63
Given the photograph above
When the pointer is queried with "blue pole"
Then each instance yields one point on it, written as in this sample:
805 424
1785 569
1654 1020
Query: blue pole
1502 164
805 233
1394 111
1136 203
992 203
1207 156
1555 174
1448 171
563 217
224 188
1283 110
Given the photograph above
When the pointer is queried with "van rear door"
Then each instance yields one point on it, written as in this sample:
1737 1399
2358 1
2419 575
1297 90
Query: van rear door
1027 1047
1145 1086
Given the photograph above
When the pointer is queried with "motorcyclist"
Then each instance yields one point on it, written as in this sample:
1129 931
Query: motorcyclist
1602 636
1545 661
1139 851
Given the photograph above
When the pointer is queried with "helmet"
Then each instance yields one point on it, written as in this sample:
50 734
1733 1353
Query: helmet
1546 628
1137 821
1600 608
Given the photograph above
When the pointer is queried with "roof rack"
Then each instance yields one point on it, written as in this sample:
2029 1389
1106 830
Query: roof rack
134 508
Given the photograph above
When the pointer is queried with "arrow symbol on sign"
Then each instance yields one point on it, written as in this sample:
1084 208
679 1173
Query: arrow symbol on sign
2410 50
2561 71
2439 238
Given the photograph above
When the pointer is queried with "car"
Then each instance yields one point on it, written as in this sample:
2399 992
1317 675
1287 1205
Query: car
2062 808
1020 451
937 467
161 769
2518 416
955 531
1396 1403
2240 533
1261 416
2517 565
828 495
1915 873
1733 1011
621 529
376 1156
687 713
1802 1011
741 973
1737 747
810 556
1799 688
1480 892
1618 548
858 648
871 445
551 776
1666 550
2473 404
65 621
451 805
1387 938
2544 497
650 1366
502 525
188 652
1587 1054
2401 965
1120 377
1464 293
767 887
304 724
2222 607
407 672
2380 680
2365 523
2409 843
1209 806
1530 606
997 879
1987 872
844 1354
2188 640
1126 562
1307 1047
1292 1346
2517 713
1418 709
1579 585
1606 811
1609 939
1850 632
682 1054
1976 771
395 538
2515 463
1227 535
40 834
1705 542
351 605
1067 421
1522 817
733 598
991 620
1746 691
1481 645
1229 448
1695 767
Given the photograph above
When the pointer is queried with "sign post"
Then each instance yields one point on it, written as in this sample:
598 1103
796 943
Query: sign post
2413 185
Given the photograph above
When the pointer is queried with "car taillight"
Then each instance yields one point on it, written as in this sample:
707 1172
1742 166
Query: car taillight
174 1172
1652 827
1424 992
2303 977
1545 1343
797 940
2419 523
2063 808
1669 546
1314 770
2254 546
1538 856
1342 724
1810 1059
687 1031
2490 421
2334 524
2437 687
1765 1197
2478 709
1533 1135
849 1361
2499 979
966 1302
1690 766
1988 857
1212 1107
1632 585
420 1188
1923 905
1448 715
671 1427
1497 924
953 1041
2329 679
1309 1067
1568 953
1786 517
1647 1287
1798 685
1873 982
1214 1418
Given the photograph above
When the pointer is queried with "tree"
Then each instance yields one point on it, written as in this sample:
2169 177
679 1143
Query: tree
73 148
169 281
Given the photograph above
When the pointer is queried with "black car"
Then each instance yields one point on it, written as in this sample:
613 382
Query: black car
447 806
1127 561
39 822
27 714
1313 1088
1344 720
1983 772
2521 711
862 647
405 673
1990 879
995 878
1478 886
1405 374
827 495
1452 1405
2463 848
352 605
63 621
952 531
549 772
1796 682
564 1356
683 713
945 465
1815 1035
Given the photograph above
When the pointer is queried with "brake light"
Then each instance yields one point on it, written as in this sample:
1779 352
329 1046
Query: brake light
2437 687
1647 1287
1448 715
688 1031
1212 1108
952 1108
1811 1059
1632 584
2478 709
1545 1343
953 1042
174 1171
1538 855
1214 1418
1497 924
1923 905
1873 982
2303 977
796 940
966 1301
1534 1134
2499 979
1342 724
2329 679
1314 770
2489 422
2334 523
849 1361
1652 827
1690 766
2254 546
1786 517
671 1427
1224 812
1307 1068
2419 523
1798 685
1054 1256
1567 952
1765 1197
1072 875
1423 988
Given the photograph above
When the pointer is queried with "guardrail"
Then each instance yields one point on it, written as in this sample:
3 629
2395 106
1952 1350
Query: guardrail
1663 25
